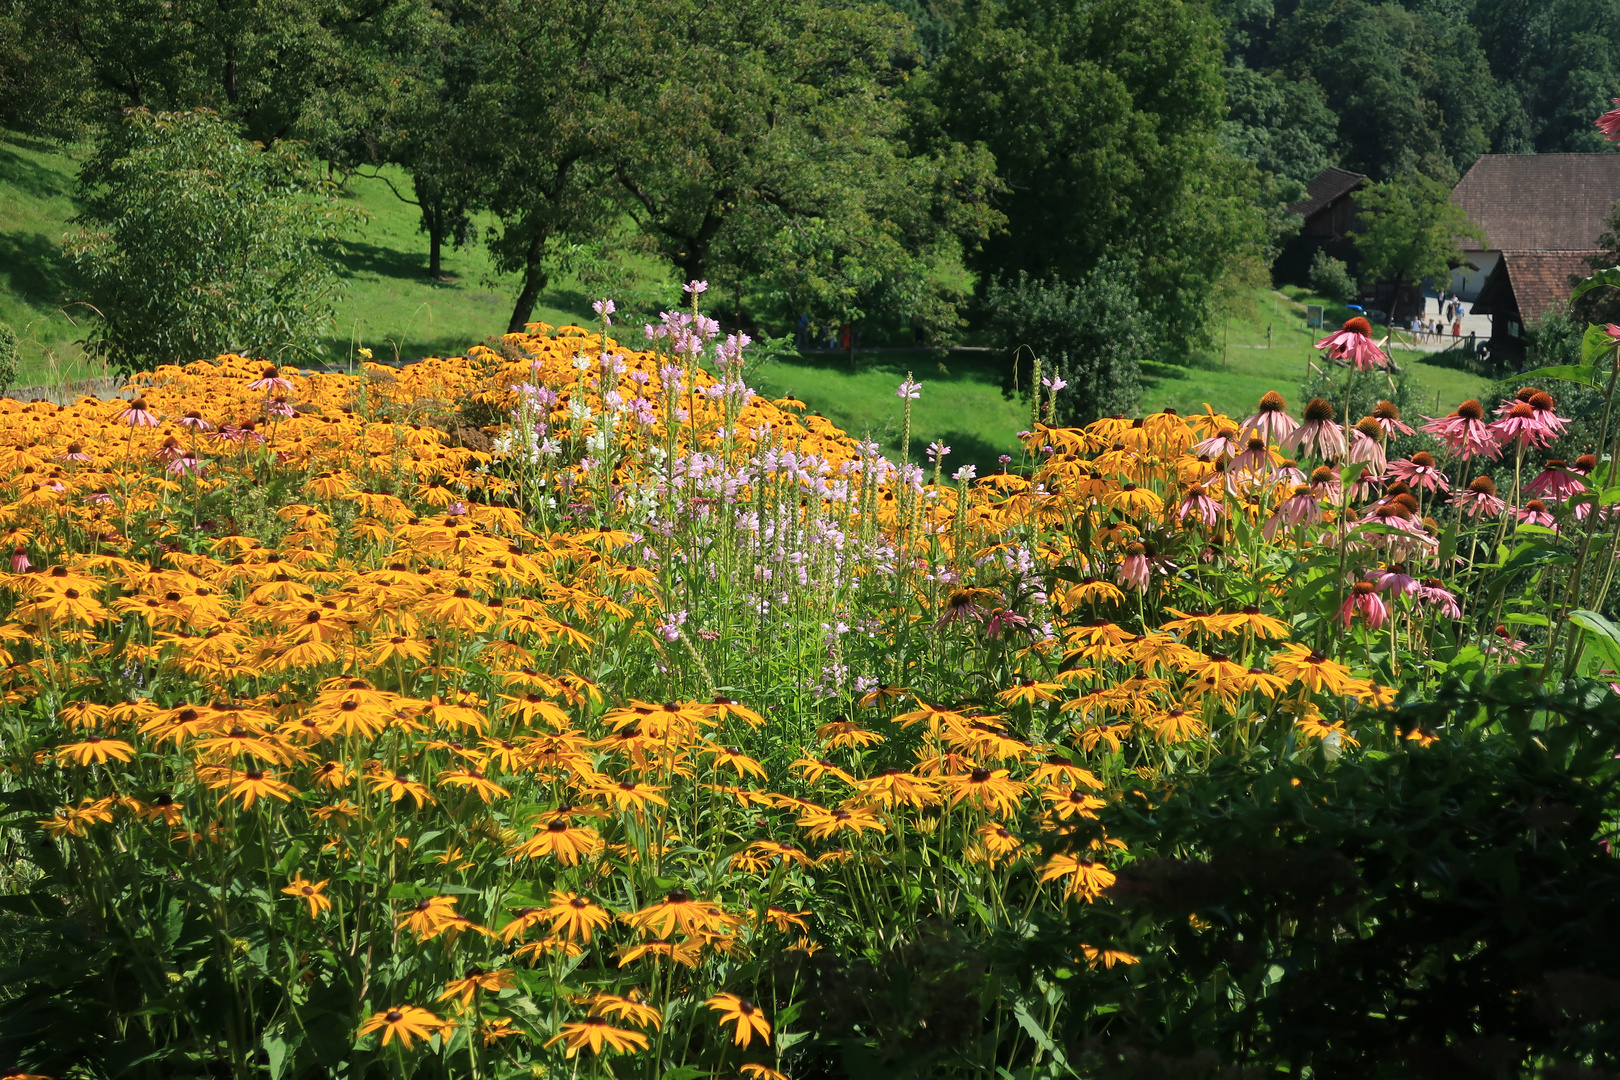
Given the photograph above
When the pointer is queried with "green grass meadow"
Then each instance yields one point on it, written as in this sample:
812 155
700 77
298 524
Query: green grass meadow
392 307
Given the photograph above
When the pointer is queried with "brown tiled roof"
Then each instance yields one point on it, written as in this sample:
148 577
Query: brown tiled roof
1331 184
1539 202
1540 282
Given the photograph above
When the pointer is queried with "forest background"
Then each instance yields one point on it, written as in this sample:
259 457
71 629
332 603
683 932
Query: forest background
1106 182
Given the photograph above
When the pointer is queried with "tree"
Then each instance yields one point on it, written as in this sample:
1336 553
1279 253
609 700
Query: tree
197 242
1102 119
1411 88
771 158
1409 231
552 80
307 69
1089 334
1282 125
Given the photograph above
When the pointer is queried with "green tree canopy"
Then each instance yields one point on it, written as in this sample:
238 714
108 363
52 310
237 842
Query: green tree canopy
772 157
1409 230
1103 120
197 242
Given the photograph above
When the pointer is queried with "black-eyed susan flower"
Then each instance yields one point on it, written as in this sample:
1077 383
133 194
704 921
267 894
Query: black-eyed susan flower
574 917
403 1022
95 750
597 1034
310 892
476 979
745 1018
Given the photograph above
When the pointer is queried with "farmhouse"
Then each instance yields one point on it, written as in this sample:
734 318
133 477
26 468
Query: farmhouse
1541 215
1329 210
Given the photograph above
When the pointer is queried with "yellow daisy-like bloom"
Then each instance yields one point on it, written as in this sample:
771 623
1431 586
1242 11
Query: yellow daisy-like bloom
95 750
597 1034
988 789
310 892
404 1022
1081 877
746 1018
575 917
476 979
1296 663
1107 958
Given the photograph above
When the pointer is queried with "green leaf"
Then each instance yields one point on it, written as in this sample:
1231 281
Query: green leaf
1574 373
1595 345
1602 636
1609 277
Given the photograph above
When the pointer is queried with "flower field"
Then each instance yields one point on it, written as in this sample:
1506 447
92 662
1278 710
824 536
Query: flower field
569 710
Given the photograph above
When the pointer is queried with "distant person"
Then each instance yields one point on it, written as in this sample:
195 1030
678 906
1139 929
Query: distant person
1456 328
801 340
846 337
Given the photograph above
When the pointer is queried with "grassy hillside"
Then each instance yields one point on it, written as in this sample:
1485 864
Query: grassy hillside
393 308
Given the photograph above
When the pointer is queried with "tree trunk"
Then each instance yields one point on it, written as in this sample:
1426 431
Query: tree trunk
534 283
435 243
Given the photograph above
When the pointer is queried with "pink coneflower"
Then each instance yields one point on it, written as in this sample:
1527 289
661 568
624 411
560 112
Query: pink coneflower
195 421
1388 415
1199 504
1270 423
1434 593
1287 472
1523 426
1353 342
98 498
1420 470
1465 432
19 560
1256 457
1543 404
1326 483
1222 443
1505 645
1478 498
1137 567
1555 481
961 604
75 452
169 450
1394 576
1001 619
1367 446
186 465
270 379
1609 124
280 407
1300 508
1364 599
1535 512
138 414
1318 434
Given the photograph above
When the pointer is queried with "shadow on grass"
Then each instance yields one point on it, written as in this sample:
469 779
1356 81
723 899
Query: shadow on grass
34 268
360 257
968 449
925 364
31 178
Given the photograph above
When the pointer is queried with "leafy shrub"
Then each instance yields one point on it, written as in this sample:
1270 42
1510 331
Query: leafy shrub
1330 278
8 356
1089 333
197 242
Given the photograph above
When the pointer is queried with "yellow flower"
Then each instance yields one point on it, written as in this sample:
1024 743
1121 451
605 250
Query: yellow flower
404 1022
595 1032
1107 958
310 892
475 980
1081 877
96 750
748 1018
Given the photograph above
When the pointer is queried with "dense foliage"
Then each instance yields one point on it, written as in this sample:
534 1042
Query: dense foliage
571 708
195 241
